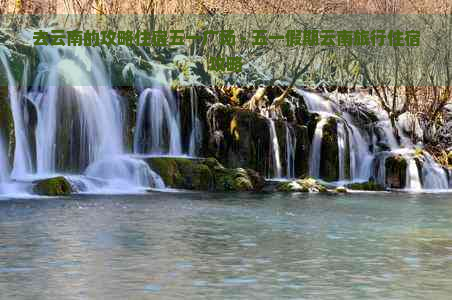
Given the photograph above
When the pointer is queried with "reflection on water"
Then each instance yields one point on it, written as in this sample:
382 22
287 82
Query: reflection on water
182 246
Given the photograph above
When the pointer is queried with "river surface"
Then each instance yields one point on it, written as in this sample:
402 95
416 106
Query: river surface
236 246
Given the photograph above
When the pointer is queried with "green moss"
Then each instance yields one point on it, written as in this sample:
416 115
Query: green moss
366 186
194 174
167 169
57 186
204 175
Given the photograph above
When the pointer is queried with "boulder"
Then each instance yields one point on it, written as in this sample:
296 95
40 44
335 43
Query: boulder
56 186
204 174
340 190
307 185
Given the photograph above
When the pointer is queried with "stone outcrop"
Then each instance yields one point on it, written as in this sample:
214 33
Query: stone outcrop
204 175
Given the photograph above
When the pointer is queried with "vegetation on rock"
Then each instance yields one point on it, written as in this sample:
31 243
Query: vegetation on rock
56 186
365 186
306 185
204 175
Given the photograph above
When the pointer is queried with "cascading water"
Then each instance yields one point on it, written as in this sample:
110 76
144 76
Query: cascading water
123 171
347 134
316 146
291 142
80 122
341 143
433 176
196 129
79 114
156 125
274 144
360 157
22 158
413 181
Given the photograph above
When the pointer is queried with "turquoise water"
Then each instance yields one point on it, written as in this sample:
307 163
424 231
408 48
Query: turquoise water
210 246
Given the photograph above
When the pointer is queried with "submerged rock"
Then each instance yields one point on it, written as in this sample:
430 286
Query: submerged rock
365 186
56 186
204 175
307 185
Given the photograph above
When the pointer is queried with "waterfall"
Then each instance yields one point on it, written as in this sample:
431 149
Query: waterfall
316 147
196 129
22 158
360 157
341 142
274 146
124 172
291 143
156 125
316 103
413 181
79 114
347 134
433 176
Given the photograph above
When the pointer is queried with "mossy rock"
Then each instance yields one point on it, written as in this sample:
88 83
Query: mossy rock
194 174
341 190
449 158
204 175
234 180
56 186
307 185
170 170
329 164
396 167
365 186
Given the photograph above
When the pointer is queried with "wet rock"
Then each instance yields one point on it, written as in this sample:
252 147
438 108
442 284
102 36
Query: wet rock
241 138
56 186
329 164
6 122
396 167
307 185
365 186
340 190
204 175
